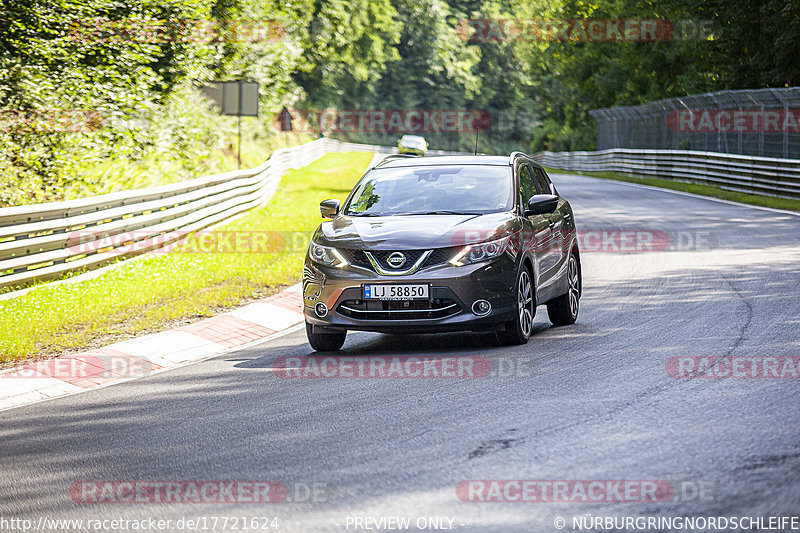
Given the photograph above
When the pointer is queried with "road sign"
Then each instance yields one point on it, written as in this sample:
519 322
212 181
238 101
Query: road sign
237 98
285 118
234 98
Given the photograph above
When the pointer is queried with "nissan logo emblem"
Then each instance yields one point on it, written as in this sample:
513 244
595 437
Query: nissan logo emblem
396 260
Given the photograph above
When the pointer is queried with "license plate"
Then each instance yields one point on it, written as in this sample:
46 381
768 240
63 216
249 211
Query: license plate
395 292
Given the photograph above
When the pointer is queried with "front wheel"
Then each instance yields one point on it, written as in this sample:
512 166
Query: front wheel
518 331
563 310
325 342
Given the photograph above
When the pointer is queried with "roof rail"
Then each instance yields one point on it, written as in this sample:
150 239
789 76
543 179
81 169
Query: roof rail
515 155
394 156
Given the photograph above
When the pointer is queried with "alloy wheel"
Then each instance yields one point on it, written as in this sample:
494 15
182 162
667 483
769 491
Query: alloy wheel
525 303
574 286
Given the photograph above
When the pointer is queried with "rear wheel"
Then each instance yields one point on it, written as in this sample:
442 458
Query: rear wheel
325 342
563 310
518 331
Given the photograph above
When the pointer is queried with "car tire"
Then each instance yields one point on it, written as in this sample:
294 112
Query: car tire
325 342
563 310
518 331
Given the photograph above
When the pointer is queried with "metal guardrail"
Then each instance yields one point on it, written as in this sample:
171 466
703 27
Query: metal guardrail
44 241
766 176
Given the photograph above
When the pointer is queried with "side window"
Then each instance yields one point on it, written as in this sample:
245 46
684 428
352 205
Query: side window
541 181
526 186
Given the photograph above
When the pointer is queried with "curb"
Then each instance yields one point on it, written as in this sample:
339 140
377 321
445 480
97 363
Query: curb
140 357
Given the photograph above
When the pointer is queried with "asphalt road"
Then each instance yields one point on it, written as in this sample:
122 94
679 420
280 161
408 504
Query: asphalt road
592 401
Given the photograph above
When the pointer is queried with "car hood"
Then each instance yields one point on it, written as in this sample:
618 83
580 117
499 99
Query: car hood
414 232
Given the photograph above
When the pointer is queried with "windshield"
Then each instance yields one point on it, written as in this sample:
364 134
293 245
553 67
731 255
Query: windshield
462 189
413 141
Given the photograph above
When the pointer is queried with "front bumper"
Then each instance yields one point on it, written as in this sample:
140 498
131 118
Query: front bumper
412 151
453 290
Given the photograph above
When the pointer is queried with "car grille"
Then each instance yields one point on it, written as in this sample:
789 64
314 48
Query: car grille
356 257
399 310
441 255
438 256
412 256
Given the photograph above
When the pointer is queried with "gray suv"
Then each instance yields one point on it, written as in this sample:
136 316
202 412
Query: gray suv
438 244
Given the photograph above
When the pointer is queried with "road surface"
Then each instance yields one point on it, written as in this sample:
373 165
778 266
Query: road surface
593 401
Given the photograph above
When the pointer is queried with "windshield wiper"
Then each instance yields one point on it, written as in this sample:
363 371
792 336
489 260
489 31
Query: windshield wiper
445 213
410 213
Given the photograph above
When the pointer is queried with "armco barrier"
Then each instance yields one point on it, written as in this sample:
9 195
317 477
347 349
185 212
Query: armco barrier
36 241
765 176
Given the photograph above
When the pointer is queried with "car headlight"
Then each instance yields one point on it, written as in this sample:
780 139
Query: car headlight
475 253
326 256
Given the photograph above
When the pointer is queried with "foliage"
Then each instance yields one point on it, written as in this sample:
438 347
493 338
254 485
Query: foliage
141 101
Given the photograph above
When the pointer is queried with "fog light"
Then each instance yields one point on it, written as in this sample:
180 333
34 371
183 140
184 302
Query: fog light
481 307
321 309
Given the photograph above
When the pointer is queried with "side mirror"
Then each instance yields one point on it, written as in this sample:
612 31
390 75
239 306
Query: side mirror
329 208
542 204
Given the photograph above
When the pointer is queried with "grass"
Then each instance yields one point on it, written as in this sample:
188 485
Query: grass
168 289
694 188
112 175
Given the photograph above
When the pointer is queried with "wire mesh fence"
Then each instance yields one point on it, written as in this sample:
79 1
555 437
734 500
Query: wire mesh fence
761 122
